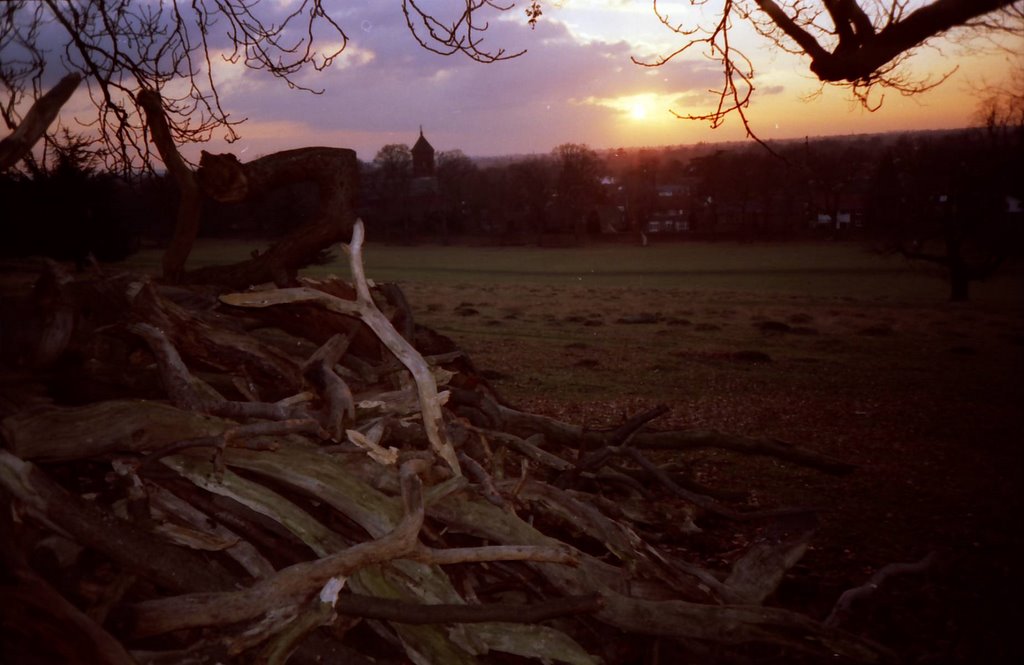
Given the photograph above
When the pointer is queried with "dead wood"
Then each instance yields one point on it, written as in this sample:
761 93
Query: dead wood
574 435
288 586
370 607
335 171
365 308
844 606
299 466
84 522
759 571
60 434
216 347
40 624
32 127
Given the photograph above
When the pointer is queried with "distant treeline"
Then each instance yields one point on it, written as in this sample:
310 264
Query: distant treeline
877 186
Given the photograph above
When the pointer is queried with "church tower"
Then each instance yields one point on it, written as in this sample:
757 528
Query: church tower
422 158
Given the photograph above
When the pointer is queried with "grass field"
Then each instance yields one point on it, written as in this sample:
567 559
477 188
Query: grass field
826 345
810 269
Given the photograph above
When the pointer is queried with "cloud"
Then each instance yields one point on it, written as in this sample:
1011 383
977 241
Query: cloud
387 83
576 83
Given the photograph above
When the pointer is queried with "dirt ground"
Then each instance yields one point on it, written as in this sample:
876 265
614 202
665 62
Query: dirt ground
925 399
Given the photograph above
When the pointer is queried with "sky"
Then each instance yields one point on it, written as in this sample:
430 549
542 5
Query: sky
576 83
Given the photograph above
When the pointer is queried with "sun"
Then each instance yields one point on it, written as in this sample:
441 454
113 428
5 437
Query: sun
638 111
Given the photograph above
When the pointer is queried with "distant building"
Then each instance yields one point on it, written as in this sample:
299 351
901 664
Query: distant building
422 158
425 209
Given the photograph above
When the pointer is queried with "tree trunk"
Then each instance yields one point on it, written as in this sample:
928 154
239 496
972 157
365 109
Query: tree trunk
187 227
335 171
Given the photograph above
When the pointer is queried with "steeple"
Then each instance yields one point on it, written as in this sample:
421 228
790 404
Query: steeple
422 158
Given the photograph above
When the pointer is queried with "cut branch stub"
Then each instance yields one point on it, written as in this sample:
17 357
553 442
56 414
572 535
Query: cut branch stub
367 311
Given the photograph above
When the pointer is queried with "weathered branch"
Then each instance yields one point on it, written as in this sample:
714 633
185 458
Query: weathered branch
32 127
289 586
187 226
844 606
370 607
367 311
57 434
49 503
186 392
572 435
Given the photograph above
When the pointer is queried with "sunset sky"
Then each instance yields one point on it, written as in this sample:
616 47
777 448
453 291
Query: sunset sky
575 84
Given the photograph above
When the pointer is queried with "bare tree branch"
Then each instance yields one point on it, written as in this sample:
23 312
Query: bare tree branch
122 47
35 122
862 46
464 33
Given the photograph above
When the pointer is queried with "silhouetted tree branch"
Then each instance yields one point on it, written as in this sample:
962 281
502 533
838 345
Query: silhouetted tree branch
43 112
861 45
463 32
123 48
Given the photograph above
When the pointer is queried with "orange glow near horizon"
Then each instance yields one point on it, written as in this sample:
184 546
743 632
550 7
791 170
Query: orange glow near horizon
575 85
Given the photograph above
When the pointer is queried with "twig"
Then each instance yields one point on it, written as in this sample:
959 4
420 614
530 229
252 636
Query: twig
844 606
702 501
619 437
626 430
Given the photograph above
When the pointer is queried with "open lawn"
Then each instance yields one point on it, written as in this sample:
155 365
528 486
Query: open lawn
825 345
810 269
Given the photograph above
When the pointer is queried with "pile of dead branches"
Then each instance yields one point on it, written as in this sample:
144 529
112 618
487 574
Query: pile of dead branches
303 475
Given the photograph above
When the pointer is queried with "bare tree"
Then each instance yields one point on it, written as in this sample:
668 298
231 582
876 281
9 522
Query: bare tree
463 30
1001 108
577 185
394 162
863 45
122 48
457 175
944 202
